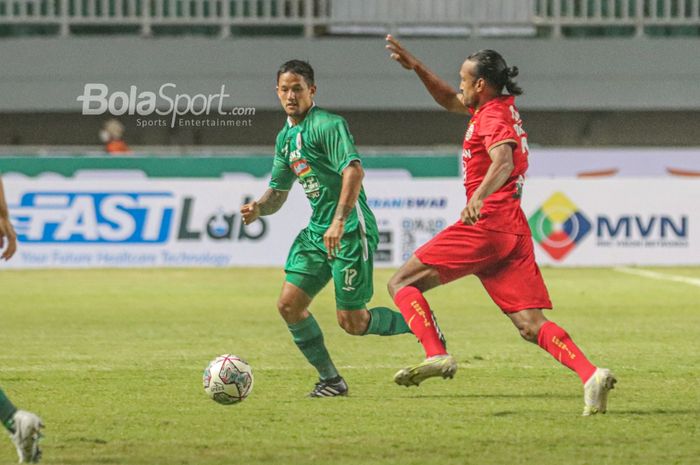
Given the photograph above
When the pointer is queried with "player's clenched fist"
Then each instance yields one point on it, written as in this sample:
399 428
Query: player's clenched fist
250 212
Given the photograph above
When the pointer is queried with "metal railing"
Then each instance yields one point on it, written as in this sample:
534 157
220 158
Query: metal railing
321 16
147 14
639 14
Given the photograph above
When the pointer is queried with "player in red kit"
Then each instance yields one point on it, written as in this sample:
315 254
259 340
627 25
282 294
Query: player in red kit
492 238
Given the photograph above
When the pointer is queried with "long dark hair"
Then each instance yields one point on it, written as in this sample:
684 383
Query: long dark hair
302 68
491 66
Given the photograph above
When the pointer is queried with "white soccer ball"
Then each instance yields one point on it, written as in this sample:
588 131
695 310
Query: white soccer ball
228 379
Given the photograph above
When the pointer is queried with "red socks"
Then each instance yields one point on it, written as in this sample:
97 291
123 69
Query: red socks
417 313
557 342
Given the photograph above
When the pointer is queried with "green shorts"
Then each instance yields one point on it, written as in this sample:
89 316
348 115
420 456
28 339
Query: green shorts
309 268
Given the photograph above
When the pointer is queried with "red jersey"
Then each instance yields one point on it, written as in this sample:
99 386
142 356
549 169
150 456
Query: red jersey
495 123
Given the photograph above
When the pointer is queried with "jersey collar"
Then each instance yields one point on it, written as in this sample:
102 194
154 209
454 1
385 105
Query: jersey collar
289 119
507 99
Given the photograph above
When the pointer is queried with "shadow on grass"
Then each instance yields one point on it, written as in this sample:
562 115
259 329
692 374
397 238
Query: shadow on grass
657 411
492 396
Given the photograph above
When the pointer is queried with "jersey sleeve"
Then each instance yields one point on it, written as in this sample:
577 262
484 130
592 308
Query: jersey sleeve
496 129
282 178
338 144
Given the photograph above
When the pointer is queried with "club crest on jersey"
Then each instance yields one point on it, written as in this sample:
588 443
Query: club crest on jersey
470 132
301 168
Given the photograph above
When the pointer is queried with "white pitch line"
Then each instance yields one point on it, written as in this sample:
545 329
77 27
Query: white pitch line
660 276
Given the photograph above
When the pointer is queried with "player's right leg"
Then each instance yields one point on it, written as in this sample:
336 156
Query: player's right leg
406 287
24 428
307 272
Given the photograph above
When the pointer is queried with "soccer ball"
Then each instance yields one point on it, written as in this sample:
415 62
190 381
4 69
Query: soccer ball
228 379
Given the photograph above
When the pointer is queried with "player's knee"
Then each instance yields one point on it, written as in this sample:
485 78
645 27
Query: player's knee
355 325
529 331
287 310
394 285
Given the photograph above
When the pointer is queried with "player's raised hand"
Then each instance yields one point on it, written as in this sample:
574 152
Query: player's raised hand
7 234
250 212
472 212
400 54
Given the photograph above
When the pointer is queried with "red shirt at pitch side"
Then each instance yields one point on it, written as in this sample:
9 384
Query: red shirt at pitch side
495 123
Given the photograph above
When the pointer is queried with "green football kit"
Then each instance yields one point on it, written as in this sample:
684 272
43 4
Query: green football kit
315 152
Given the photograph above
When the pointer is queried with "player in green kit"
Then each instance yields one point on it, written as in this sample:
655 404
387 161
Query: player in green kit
316 149
24 427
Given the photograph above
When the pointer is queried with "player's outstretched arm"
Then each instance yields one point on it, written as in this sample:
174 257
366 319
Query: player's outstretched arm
271 201
7 232
443 93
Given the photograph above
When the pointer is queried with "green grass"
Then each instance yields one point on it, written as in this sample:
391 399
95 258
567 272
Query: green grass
112 361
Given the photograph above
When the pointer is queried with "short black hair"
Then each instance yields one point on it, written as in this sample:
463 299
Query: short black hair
300 67
491 66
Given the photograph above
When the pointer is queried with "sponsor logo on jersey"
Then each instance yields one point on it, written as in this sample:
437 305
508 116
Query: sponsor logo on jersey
301 168
470 132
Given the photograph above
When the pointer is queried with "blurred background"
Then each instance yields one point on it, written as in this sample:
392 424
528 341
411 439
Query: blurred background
611 90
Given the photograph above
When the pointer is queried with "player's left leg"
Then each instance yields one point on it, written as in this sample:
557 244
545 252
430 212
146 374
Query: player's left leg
597 382
517 287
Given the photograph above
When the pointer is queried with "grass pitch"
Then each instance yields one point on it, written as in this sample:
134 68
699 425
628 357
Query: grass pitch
112 361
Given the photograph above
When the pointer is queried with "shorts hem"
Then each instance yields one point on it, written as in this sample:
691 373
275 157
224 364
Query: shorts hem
350 306
527 307
306 282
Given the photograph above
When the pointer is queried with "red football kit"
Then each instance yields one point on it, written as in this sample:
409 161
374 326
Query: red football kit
498 248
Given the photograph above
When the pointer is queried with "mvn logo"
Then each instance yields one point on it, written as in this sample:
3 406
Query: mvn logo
558 225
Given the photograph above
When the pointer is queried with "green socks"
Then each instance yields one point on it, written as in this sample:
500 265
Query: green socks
386 322
307 335
7 410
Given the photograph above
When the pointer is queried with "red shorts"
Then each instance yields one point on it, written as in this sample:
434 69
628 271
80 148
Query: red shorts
505 264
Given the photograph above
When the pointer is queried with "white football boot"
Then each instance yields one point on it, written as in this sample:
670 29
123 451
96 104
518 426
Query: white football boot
595 391
26 436
438 365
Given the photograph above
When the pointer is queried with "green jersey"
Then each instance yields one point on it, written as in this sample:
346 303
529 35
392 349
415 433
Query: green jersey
315 152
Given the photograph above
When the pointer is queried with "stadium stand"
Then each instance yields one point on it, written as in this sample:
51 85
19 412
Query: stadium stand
477 18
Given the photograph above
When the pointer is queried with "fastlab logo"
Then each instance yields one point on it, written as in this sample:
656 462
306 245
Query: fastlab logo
94 217
558 226
124 218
